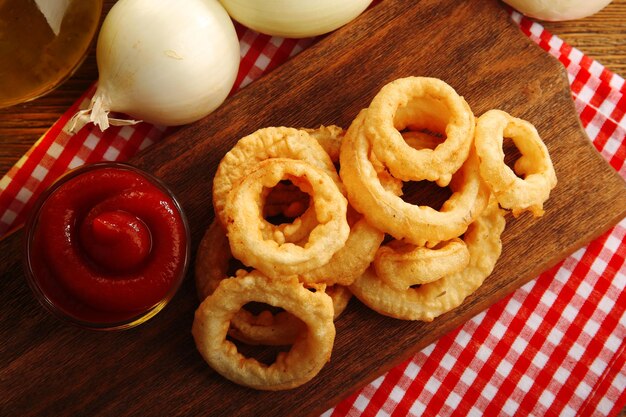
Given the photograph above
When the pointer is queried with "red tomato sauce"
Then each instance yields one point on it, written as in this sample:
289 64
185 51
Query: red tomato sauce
108 245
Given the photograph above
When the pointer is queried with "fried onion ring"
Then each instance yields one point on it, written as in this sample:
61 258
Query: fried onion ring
420 103
263 144
280 329
401 265
245 220
433 299
416 224
310 351
535 165
212 260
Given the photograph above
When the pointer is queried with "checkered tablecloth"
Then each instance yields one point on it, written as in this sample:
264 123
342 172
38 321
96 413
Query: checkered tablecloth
556 346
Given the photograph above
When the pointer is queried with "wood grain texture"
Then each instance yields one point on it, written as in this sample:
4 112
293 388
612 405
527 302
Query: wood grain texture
47 367
602 37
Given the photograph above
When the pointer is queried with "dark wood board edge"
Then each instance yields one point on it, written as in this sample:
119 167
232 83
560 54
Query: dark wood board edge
477 302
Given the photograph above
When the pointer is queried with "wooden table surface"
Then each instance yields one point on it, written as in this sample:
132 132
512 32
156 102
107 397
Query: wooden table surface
602 36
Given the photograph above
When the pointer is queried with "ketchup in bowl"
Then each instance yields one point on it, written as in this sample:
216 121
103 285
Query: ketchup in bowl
107 246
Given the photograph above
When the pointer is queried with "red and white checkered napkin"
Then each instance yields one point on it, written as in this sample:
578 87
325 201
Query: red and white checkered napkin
555 346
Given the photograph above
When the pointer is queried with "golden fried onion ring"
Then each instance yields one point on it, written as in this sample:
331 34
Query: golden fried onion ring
329 137
433 299
263 144
280 329
211 268
535 165
384 209
245 220
420 103
401 265
310 351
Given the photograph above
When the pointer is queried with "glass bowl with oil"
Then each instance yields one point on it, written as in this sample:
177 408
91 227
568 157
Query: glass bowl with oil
42 43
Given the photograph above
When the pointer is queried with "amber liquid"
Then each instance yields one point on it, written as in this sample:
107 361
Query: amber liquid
33 59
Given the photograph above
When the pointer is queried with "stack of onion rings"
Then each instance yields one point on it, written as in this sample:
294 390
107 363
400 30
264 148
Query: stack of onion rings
432 299
323 248
385 209
281 329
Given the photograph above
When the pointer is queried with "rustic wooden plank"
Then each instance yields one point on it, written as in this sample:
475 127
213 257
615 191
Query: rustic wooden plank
48 367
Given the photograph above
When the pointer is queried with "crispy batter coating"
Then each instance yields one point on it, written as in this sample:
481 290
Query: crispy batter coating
420 225
535 165
245 221
420 103
435 298
402 265
310 351
329 137
265 328
263 144
349 262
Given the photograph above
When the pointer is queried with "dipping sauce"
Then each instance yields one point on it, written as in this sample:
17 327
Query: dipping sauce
107 246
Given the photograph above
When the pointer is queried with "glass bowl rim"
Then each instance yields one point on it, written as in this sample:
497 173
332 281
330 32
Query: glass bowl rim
30 228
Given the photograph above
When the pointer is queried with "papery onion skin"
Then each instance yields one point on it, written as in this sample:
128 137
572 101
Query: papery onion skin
558 10
164 62
294 18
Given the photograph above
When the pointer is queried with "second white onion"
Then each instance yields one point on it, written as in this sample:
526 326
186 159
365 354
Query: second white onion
558 10
166 62
294 18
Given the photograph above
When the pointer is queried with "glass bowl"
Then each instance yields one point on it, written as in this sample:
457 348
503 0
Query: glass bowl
42 43
57 293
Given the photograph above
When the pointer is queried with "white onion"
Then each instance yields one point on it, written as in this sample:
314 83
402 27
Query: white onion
294 18
557 10
166 62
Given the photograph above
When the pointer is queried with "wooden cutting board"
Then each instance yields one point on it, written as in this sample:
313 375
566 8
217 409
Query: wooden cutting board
47 367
